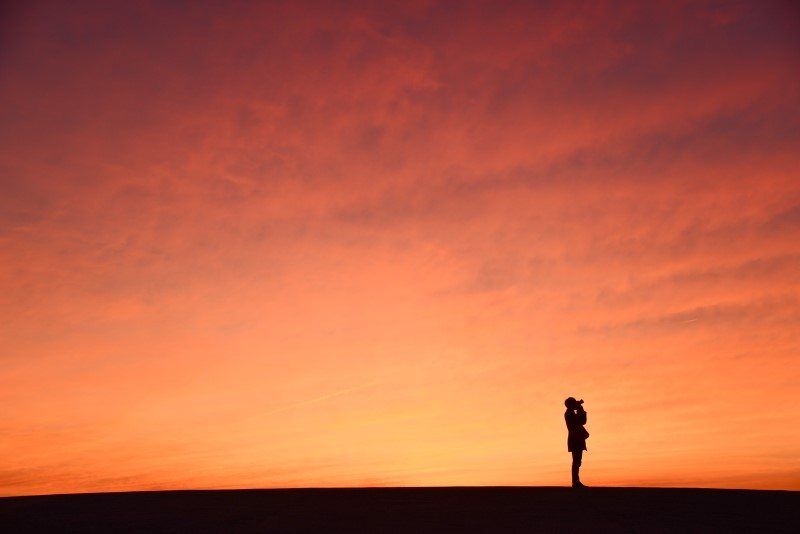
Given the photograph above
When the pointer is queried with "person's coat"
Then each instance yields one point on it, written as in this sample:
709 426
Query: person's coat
576 440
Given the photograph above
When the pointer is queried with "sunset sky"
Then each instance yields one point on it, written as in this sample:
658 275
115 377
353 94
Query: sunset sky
282 244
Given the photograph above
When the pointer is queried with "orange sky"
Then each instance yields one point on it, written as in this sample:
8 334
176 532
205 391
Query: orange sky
304 244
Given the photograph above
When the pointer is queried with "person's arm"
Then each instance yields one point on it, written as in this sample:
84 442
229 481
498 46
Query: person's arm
581 415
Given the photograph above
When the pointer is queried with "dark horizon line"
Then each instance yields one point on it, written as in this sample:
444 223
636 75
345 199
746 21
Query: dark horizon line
390 488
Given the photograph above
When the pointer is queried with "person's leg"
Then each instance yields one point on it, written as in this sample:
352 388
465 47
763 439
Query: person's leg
577 456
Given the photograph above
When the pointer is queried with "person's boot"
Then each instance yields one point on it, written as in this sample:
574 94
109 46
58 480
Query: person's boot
576 481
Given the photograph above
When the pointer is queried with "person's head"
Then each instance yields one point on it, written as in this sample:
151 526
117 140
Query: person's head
571 403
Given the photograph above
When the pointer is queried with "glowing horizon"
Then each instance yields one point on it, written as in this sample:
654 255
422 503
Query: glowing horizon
285 244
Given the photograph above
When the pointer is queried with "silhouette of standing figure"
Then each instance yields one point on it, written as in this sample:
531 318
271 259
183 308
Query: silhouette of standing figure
575 417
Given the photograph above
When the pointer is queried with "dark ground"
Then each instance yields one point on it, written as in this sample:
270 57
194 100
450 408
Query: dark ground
415 510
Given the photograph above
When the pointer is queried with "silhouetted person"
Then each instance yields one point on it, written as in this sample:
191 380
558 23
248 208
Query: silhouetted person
575 417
